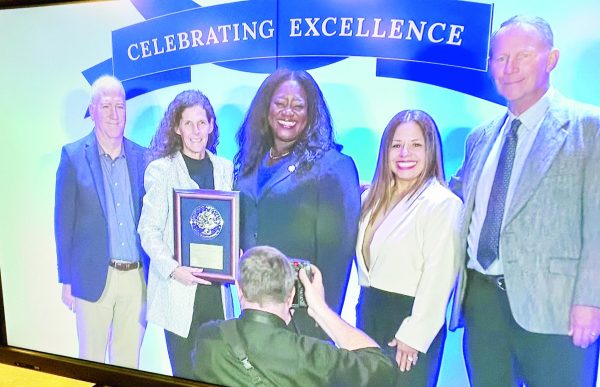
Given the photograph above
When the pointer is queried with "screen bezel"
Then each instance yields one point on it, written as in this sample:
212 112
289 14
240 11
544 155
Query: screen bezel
99 373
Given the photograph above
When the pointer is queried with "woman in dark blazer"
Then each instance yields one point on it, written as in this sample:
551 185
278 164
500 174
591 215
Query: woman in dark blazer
298 192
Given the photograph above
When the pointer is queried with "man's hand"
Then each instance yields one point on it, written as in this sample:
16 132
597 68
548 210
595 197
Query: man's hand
67 297
187 275
343 334
314 293
584 326
406 356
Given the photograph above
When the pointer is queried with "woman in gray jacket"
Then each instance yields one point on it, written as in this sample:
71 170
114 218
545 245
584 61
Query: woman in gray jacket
183 152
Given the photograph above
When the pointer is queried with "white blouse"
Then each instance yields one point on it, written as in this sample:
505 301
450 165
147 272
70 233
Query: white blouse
415 252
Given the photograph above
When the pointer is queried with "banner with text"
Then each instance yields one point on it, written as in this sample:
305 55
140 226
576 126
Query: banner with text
443 32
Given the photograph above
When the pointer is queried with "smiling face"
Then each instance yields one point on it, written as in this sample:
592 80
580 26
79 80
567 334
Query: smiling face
194 128
407 154
107 110
288 113
520 64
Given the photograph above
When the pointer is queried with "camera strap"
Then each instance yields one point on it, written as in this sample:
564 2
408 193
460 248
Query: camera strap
232 338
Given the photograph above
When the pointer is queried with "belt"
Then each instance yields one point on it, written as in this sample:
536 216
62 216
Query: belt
496 280
124 266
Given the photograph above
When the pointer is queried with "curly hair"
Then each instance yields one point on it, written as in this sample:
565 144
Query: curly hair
165 141
254 137
382 188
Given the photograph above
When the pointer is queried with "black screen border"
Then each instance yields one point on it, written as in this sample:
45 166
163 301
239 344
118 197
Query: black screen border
99 373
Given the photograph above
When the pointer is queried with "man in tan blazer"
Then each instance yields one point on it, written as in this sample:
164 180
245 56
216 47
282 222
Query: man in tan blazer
529 294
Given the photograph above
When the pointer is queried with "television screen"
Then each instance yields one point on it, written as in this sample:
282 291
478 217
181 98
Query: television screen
51 52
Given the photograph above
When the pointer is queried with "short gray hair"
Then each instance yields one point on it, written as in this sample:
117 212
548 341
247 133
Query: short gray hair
103 84
265 275
538 23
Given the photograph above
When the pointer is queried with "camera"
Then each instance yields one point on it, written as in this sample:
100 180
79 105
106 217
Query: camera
300 264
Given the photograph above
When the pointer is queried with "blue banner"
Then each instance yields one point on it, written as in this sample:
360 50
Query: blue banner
454 33
242 30
440 42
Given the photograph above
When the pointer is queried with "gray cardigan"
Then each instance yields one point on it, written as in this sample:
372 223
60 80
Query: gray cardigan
170 303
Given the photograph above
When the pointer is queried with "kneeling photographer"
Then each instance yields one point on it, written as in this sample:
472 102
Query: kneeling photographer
258 349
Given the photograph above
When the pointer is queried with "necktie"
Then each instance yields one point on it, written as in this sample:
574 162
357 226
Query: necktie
489 239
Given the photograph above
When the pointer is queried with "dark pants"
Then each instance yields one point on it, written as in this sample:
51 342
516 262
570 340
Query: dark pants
208 306
498 352
379 314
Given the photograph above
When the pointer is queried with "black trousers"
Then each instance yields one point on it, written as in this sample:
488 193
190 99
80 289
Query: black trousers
208 306
379 314
498 352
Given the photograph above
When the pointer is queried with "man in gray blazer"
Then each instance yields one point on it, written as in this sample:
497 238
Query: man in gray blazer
99 190
529 292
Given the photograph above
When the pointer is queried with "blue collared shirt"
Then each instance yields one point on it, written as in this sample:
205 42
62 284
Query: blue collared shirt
119 207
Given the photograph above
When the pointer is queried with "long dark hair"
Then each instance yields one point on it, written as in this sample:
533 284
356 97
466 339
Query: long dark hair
382 188
254 138
165 141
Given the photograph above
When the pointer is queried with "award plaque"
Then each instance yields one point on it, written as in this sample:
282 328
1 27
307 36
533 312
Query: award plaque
207 232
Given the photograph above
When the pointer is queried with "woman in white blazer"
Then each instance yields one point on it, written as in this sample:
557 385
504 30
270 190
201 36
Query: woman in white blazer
407 248
183 152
